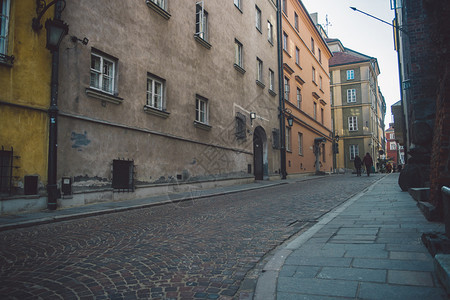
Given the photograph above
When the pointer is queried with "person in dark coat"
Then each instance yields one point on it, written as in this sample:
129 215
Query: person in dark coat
358 163
368 162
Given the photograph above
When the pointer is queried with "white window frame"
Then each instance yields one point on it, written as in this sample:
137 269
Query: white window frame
154 99
102 73
353 123
237 3
4 27
286 88
258 18
300 143
201 110
160 3
350 74
271 80
269 32
299 98
392 145
288 139
259 70
351 95
353 151
238 51
201 21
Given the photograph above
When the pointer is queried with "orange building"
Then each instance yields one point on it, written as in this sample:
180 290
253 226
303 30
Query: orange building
306 92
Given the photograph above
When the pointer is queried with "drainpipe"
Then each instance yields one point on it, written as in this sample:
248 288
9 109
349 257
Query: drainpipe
281 92
52 189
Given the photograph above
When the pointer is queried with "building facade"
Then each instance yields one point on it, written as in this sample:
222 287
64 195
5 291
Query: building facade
306 92
25 73
162 96
358 107
392 147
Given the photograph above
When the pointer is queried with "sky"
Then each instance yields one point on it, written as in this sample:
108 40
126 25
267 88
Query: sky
365 35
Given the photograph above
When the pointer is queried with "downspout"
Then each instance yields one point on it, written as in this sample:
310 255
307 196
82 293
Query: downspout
281 93
52 190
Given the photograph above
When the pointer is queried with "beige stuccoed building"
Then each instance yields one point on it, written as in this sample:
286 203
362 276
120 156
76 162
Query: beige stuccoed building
161 97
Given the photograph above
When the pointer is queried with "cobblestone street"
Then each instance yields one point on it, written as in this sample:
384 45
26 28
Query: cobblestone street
194 249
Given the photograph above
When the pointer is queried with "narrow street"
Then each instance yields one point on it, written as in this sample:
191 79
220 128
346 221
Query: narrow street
195 249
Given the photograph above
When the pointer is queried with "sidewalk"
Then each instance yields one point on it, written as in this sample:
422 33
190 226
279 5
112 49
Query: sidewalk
368 248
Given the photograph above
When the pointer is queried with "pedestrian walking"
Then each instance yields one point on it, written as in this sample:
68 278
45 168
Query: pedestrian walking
368 162
358 163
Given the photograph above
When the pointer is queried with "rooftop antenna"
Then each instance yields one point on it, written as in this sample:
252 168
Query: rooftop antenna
327 24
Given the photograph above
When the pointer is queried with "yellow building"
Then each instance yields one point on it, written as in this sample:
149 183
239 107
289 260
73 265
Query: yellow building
25 69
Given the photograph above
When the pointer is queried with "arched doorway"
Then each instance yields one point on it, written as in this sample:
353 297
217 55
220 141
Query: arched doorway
260 162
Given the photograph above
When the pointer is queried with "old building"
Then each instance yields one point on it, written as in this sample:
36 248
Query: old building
166 95
306 92
392 148
358 107
25 68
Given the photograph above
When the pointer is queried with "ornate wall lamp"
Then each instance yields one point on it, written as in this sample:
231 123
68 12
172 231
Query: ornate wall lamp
288 114
252 117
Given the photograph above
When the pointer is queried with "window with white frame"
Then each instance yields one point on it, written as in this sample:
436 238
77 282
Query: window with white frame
353 151
350 74
258 18
238 59
286 88
238 4
4 26
285 41
392 136
299 98
201 21
300 143
288 139
271 80
393 145
297 56
353 123
259 70
155 92
103 73
201 110
270 32
351 95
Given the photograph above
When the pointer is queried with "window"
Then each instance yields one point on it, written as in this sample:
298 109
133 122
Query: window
238 60
285 41
296 20
288 139
299 98
286 88
321 115
123 171
392 136
201 110
393 145
259 70
314 74
271 80
351 95
312 46
315 110
258 18
285 6
4 25
155 92
300 143
353 123
297 56
320 55
270 32
241 132
324 156
103 73
320 82
201 21
238 4
160 3
353 150
350 74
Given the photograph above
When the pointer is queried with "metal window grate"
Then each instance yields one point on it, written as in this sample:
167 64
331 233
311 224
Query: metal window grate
123 175
6 168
